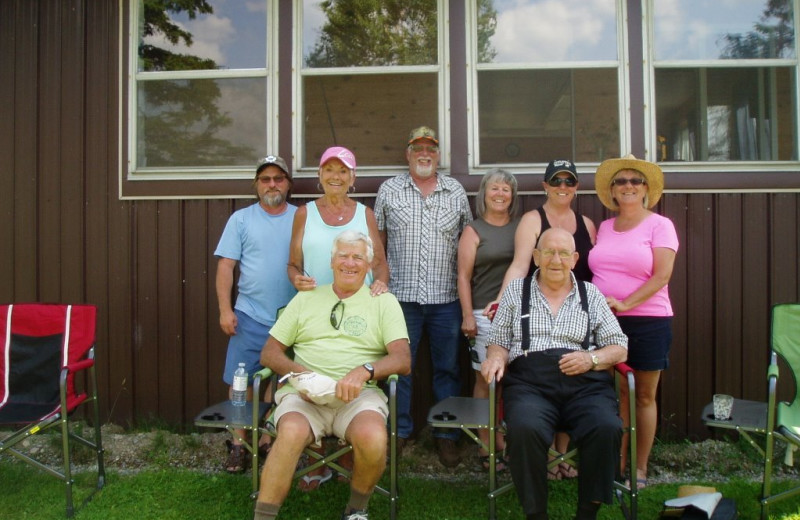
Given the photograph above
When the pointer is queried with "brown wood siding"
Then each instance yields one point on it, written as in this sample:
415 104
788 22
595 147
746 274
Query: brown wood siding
149 265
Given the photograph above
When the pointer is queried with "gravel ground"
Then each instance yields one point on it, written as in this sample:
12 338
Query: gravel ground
709 460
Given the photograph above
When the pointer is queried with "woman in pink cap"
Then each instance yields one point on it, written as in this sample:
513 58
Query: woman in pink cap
317 223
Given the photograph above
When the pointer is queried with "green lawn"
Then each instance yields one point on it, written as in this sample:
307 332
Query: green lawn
181 494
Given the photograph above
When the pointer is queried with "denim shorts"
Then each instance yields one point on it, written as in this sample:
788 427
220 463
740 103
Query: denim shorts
649 338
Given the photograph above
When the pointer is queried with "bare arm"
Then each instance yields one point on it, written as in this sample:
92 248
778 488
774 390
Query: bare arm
396 361
273 356
467 250
580 361
663 262
380 269
224 285
295 269
495 365
525 238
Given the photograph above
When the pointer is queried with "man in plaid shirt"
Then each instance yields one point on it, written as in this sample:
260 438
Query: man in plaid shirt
557 379
420 216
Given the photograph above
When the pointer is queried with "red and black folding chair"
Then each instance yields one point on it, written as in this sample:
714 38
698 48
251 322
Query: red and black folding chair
43 347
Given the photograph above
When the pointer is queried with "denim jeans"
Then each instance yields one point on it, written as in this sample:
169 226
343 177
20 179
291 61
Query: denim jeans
443 324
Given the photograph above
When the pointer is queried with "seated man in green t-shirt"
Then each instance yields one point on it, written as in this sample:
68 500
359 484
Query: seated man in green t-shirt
342 332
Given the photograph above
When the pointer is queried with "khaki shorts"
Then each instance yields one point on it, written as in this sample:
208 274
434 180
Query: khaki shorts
327 420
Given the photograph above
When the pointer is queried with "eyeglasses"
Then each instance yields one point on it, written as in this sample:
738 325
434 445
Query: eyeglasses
562 254
337 321
622 181
266 179
569 182
417 148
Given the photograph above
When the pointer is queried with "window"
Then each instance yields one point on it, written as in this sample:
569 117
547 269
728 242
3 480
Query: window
370 72
200 89
547 80
725 80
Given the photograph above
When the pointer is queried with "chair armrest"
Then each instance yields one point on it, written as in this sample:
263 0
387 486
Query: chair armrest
80 365
623 369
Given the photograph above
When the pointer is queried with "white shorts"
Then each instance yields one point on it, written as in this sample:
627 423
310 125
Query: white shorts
477 353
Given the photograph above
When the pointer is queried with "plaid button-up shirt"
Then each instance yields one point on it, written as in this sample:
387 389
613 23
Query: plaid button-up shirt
422 235
566 329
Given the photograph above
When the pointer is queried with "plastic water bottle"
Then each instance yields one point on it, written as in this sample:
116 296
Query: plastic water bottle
239 394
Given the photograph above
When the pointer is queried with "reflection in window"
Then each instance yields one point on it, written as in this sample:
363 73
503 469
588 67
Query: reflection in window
726 114
371 114
529 116
362 34
705 30
200 123
201 35
535 31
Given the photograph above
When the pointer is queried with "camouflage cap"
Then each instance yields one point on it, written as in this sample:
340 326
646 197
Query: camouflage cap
423 132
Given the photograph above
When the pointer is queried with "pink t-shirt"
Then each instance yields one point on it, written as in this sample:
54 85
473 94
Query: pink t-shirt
623 261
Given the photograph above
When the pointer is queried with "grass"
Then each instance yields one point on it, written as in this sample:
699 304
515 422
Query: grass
172 493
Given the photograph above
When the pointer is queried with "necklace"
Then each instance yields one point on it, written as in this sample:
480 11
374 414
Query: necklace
339 216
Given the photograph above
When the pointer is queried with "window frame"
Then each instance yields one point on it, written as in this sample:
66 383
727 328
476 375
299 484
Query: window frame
300 72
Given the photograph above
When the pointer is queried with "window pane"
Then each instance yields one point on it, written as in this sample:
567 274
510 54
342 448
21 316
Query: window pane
536 115
370 114
369 32
709 29
523 31
748 113
200 123
213 34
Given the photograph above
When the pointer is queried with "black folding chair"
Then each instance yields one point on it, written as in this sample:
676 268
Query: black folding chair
43 347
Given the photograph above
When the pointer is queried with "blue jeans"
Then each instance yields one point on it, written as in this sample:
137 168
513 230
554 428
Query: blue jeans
443 324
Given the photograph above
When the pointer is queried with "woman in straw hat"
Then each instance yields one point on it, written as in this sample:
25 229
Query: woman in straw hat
632 263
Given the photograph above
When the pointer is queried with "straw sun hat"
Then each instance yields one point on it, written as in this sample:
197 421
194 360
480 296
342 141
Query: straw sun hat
610 167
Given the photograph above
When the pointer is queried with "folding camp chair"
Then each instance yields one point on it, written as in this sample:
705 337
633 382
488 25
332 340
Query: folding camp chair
331 460
44 347
226 416
467 414
776 420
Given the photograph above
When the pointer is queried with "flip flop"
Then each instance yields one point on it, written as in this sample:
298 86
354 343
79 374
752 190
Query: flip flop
499 465
310 483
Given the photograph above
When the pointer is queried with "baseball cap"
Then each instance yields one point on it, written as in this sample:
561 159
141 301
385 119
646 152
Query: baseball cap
423 132
272 159
339 152
557 166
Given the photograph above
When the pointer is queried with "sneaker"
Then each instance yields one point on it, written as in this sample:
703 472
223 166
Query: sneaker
356 515
449 455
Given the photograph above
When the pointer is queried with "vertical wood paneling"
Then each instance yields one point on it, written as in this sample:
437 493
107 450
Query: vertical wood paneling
170 341
25 151
7 150
784 248
218 213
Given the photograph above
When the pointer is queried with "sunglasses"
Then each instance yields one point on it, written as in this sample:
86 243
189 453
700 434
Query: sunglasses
417 148
569 182
622 181
336 321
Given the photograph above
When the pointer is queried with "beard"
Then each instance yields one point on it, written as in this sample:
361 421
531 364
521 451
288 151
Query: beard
274 199
424 171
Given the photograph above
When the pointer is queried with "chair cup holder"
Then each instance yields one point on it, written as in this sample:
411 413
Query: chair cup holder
712 417
216 416
445 416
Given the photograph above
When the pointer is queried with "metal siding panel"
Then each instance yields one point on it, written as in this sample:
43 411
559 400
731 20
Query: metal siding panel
8 57
755 297
170 338
196 311
25 151
218 213
146 312
784 248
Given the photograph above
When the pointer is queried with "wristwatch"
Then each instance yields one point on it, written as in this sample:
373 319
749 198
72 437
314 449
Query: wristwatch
369 368
595 360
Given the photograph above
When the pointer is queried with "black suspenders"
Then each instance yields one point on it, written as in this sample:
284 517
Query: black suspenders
525 316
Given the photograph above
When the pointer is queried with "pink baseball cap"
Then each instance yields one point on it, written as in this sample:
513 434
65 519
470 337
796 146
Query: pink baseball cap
341 153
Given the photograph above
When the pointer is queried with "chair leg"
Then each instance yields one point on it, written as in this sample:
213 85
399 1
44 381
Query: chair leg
65 447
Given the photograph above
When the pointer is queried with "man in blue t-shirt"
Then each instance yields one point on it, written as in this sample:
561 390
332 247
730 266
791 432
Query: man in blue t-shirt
257 239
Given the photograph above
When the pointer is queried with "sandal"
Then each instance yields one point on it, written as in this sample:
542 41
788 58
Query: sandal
237 461
553 474
313 482
566 471
500 464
